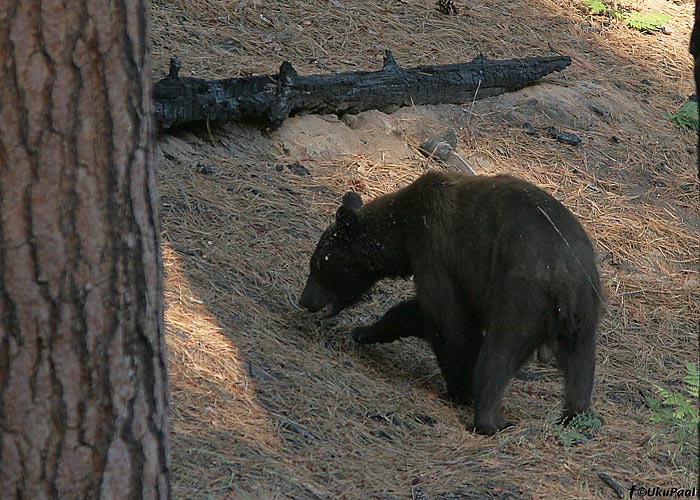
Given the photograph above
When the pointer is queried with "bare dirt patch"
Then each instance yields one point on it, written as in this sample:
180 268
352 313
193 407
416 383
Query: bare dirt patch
269 402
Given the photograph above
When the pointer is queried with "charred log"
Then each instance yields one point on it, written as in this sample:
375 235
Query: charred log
273 98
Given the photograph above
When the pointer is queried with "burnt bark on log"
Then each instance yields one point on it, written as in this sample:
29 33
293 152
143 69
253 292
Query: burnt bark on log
273 98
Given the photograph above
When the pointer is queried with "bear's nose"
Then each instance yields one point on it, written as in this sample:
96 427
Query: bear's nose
306 302
314 296
309 307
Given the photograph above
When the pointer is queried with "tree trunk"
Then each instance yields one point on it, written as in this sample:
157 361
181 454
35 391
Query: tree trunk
83 403
695 51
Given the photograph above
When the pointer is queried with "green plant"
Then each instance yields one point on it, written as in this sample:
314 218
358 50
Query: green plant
676 410
686 116
645 22
579 430
651 21
596 7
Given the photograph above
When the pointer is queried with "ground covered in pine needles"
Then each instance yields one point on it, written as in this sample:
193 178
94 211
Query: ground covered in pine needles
269 402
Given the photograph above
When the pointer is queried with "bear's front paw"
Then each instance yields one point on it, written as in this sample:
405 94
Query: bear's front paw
491 425
364 335
462 398
490 430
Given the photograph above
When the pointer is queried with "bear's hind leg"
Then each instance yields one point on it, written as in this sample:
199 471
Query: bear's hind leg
577 361
402 320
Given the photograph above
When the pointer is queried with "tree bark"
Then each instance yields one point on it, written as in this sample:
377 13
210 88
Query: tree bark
83 403
273 98
695 51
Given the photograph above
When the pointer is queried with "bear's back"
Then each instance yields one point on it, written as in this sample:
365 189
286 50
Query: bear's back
498 200
451 210
473 222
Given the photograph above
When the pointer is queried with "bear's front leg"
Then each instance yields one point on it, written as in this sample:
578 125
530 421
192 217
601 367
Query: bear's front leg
519 324
455 338
402 320
456 358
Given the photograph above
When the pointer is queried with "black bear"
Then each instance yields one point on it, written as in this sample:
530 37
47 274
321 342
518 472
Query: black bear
501 269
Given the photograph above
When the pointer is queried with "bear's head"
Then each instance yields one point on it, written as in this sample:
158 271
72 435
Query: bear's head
340 273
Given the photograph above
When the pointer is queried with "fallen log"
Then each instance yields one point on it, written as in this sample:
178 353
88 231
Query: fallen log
273 98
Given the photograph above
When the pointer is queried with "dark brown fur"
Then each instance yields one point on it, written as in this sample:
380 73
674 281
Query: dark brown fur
501 269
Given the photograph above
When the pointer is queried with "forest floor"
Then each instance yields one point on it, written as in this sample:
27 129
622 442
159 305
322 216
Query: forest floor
269 402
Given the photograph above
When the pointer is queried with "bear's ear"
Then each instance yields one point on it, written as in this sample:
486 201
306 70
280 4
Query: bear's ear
352 200
347 212
345 216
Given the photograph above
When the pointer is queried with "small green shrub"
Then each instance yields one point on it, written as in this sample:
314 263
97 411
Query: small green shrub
578 431
677 410
645 22
686 116
651 21
596 7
